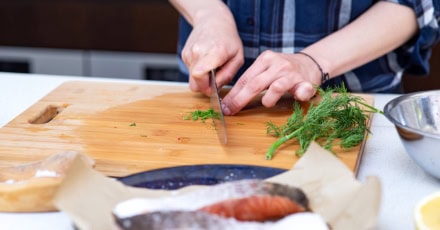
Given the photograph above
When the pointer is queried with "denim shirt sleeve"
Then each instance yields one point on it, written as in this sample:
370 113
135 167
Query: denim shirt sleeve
414 55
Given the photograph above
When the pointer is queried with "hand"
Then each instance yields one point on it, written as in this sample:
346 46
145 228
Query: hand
213 44
277 73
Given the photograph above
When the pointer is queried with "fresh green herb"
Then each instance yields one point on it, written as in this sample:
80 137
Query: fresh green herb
133 124
202 115
339 118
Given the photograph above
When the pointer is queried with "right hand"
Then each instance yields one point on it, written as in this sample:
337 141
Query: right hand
214 43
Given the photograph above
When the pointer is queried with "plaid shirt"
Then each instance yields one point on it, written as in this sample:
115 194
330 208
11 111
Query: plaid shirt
289 26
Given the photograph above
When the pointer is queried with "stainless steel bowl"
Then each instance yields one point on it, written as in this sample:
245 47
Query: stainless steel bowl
417 120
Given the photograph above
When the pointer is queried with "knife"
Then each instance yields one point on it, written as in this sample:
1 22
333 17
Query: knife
219 120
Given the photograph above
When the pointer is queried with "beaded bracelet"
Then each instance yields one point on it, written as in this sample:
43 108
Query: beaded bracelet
324 75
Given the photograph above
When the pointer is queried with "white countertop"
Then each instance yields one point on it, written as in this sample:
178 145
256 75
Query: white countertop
403 182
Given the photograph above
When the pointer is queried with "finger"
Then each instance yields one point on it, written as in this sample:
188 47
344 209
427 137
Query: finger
211 58
227 72
200 84
276 90
233 103
258 67
303 91
199 74
186 57
194 55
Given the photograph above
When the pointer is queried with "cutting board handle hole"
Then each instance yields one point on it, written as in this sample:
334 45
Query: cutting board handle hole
48 114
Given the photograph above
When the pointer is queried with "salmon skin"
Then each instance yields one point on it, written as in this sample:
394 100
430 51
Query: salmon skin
198 220
237 201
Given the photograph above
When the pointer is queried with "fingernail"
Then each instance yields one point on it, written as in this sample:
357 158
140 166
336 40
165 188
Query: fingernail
226 110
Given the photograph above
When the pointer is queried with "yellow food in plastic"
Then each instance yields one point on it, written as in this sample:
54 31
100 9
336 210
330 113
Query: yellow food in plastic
427 213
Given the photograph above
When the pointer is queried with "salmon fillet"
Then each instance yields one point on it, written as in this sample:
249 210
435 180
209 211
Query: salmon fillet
209 196
255 208
256 204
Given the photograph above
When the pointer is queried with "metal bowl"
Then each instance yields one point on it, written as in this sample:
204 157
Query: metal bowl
416 117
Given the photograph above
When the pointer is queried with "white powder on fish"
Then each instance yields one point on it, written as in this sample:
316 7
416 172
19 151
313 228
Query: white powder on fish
10 181
45 173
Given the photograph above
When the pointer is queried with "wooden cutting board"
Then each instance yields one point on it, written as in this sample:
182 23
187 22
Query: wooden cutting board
129 128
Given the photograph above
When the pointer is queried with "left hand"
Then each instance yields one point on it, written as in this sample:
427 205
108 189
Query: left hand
277 73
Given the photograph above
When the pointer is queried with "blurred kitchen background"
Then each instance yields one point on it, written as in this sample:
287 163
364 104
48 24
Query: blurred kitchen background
107 38
103 38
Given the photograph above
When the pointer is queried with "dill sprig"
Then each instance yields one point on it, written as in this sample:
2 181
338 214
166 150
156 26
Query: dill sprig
340 118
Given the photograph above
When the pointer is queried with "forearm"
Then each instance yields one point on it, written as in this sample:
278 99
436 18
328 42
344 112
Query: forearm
196 10
381 29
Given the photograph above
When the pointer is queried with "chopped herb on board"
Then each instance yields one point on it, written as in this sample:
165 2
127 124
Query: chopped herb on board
339 118
202 115
133 124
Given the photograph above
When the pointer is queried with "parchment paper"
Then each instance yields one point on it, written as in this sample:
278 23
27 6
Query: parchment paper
89 197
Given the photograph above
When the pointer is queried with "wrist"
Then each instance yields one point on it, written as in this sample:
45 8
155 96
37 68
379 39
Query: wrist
197 11
218 11
324 76
321 58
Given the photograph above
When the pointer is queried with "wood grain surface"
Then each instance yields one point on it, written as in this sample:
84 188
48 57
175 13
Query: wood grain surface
130 128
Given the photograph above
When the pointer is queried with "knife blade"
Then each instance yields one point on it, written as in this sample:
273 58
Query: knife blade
219 121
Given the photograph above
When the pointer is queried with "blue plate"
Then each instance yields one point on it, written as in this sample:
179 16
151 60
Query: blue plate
210 174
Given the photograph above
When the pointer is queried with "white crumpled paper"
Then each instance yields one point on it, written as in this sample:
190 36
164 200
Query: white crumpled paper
89 197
